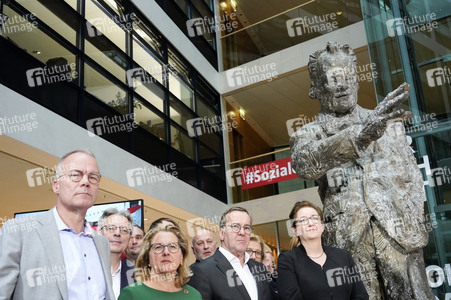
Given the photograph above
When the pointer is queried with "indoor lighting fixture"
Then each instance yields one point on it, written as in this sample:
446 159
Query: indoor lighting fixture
242 114
113 2
223 5
233 4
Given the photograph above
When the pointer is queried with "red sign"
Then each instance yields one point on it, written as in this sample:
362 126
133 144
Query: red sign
267 173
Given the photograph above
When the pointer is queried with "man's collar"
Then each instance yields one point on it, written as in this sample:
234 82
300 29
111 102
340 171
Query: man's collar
87 230
230 257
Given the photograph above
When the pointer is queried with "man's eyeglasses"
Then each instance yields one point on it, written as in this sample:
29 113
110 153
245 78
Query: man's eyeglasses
113 228
77 176
159 248
258 254
304 220
237 228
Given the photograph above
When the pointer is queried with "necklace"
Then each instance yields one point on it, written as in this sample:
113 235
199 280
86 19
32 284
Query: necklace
315 257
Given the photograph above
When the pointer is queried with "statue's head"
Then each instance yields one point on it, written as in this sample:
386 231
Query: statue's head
334 79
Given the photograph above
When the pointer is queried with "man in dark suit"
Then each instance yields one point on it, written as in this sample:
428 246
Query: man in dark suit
230 273
57 255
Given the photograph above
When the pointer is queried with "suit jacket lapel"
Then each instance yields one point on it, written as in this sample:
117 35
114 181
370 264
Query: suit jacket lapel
49 235
256 272
224 266
104 255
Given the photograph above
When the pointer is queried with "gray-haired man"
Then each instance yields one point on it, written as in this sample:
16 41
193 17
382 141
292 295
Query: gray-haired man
117 227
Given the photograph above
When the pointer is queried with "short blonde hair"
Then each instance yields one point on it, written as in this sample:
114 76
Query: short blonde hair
143 261
259 239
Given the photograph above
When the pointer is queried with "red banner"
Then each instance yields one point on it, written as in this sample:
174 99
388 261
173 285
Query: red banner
267 173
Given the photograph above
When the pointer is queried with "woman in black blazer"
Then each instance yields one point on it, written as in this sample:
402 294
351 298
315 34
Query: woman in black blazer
313 271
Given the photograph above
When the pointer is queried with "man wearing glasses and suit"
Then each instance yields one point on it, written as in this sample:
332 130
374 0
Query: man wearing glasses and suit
58 256
230 273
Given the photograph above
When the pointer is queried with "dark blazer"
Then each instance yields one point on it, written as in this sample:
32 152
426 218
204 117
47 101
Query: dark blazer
127 274
302 278
216 279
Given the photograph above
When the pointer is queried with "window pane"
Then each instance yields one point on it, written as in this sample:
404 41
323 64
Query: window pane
147 61
99 86
72 3
151 92
28 37
98 20
179 113
56 16
113 61
181 91
182 142
149 120
149 37
210 160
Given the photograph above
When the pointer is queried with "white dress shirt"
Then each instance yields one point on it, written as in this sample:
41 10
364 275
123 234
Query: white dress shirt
83 269
117 280
243 272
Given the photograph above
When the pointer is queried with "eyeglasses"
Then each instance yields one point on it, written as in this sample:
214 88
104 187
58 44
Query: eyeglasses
77 176
304 221
258 254
237 228
159 248
112 229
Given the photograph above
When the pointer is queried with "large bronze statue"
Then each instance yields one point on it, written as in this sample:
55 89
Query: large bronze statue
369 182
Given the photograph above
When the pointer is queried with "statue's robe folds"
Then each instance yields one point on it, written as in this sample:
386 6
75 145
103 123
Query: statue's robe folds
382 184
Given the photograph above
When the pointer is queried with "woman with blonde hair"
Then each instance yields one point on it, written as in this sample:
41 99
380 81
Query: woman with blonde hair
256 248
161 270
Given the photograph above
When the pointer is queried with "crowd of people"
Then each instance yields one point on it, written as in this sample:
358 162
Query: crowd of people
62 257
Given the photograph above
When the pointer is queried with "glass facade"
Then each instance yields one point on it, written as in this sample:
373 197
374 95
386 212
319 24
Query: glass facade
196 19
92 59
410 41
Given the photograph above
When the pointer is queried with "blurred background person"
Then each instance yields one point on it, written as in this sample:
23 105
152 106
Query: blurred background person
116 226
162 222
134 245
255 248
270 264
294 242
161 269
204 244
302 270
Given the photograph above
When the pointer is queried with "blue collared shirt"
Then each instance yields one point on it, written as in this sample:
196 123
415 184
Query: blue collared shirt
84 272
